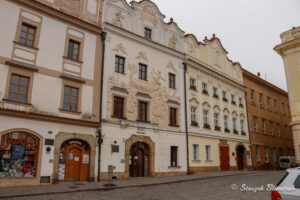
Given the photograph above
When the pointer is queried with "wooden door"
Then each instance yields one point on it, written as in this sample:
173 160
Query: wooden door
73 164
138 158
240 158
224 157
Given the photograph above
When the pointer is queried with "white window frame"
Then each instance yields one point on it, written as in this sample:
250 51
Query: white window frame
194 114
242 125
226 122
255 124
252 96
206 117
266 151
257 153
204 86
269 103
193 82
261 100
196 152
208 153
271 128
216 119
275 106
263 123
224 94
234 123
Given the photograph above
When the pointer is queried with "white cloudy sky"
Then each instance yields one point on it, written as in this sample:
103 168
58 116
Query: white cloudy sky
248 29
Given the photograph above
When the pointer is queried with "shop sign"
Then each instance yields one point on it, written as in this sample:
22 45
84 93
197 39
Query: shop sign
76 158
85 159
75 142
70 156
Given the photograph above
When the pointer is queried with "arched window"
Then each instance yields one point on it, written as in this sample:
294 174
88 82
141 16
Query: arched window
19 155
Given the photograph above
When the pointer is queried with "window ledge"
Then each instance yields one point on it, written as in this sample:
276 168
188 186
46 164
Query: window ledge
16 102
31 47
174 167
196 161
70 111
78 61
210 161
175 126
22 65
117 117
72 78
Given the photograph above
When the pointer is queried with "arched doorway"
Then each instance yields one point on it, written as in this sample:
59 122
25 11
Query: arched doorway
19 152
74 161
241 153
139 160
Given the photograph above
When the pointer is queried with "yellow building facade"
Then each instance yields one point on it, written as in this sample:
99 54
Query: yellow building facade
289 49
216 110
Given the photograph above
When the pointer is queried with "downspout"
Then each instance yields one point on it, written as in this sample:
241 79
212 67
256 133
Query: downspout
186 121
100 139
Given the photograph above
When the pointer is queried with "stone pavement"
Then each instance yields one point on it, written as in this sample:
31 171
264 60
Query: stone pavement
70 187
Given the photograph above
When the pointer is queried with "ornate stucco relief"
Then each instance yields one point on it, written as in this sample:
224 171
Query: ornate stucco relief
159 109
173 42
148 9
146 18
120 49
117 20
170 65
142 55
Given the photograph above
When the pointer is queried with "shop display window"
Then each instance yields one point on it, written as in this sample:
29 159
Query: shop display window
18 155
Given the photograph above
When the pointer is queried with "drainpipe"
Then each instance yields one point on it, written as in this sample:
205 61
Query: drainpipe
100 139
186 121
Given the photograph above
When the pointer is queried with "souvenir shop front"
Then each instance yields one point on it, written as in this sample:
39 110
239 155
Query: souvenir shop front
19 155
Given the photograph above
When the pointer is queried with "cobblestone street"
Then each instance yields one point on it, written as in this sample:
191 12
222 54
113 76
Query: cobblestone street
219 188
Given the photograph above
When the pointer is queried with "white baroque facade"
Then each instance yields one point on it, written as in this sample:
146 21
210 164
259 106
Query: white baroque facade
217 116
49 91
142 91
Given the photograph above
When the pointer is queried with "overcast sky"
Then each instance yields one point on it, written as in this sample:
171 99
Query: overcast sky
248 29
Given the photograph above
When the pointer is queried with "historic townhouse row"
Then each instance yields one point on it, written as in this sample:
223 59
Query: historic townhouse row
50 62
269 118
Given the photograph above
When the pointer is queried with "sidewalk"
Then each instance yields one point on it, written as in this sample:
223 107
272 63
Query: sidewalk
99 186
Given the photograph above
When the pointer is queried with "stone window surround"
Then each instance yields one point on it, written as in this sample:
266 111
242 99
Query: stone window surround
69 37
124 104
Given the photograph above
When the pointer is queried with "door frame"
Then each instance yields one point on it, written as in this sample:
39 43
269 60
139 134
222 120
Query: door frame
227 146
144 154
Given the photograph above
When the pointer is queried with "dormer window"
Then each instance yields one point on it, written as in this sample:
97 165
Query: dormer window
147 33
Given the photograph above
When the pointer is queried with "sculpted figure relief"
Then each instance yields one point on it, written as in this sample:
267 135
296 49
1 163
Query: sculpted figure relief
173 42
117 21
120 48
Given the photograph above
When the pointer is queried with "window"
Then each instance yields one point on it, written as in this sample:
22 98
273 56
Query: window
234 125
174 151
252 95
193 84
255 124
297 182
271 127
27 34
257 154
278 129
115 148
232 99
196 155
204 88
147 33
215 92
275 106
224 96
283 109
173 114
280 152
73 50
120 64
142 72
194 116
142 111
118 107
269 103
205 117
216 121
263 124
261 101
274 155
19 155
242 126
18 89
208 153
241 102
70 98
266 154
226 123
172 80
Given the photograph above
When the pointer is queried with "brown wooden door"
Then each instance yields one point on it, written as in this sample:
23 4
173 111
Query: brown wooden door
240 157
73 164
138 163
224 157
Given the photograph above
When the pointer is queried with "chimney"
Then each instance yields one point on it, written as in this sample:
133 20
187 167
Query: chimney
258 74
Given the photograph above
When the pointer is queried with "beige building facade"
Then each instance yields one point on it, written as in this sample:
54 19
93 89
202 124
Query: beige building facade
217 117
289 49
49 91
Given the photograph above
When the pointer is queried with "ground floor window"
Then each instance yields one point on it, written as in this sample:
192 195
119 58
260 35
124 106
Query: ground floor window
196 152
208 153
174 152
19 155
